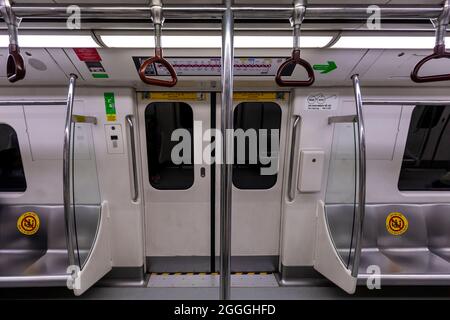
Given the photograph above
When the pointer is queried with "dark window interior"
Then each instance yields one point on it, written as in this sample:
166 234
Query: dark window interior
426 162
12 176
161 119
255 115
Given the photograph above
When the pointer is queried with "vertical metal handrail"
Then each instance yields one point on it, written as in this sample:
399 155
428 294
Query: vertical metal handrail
359 219
227 166
134 184
68 217
292 181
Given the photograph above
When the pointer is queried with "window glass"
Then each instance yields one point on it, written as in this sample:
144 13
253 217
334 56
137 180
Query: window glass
257 167
426 161
12 176
161 119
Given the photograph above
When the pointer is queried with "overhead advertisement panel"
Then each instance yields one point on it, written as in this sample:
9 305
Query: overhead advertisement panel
210 66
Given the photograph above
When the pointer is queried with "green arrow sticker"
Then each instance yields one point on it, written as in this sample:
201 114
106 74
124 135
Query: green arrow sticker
325 68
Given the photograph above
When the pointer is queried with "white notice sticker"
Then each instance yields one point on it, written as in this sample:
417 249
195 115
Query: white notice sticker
321 101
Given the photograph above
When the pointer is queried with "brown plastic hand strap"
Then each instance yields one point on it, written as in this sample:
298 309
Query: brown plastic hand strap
15 67
439 53
295 60
158 58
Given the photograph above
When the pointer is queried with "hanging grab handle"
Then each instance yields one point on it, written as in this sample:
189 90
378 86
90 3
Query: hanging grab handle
289 65
439 53
15 66
158 20
439 49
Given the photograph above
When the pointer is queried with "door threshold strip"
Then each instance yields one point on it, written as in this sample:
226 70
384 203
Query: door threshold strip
205 280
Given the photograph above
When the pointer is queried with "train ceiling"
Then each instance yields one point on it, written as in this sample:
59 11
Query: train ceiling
377 66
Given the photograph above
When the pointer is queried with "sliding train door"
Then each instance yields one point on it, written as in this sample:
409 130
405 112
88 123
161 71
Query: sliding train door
260 128
177 180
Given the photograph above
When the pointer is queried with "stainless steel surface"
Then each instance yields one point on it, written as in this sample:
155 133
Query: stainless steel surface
202 11
301 276
298 15
359 217
292 160
342 119
34 281
11 21
330 11
406 102
40 259
32 103
84 190
342 188
68 214
442 23
418 257
132 143
124 277
226 169
158 20
156 12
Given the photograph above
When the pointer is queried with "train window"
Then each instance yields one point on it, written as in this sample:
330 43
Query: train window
12 176
161 119
257 168
426 161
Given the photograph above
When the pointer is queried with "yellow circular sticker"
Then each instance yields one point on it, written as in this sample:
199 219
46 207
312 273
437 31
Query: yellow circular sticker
28 223
396 223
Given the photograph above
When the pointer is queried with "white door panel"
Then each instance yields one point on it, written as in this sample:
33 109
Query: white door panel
177 221
256 213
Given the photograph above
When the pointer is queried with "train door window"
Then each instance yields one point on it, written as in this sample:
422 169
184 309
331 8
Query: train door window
161 119
12 176
257 168
426 161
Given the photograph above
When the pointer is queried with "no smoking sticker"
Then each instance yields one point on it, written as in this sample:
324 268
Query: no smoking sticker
28 223
396 223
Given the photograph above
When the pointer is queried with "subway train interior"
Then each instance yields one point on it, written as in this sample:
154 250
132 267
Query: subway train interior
224 149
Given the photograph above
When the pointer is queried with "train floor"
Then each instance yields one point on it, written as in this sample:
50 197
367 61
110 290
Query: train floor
244 287
286 293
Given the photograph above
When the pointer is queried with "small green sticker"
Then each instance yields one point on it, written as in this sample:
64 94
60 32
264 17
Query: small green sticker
100 75
110 106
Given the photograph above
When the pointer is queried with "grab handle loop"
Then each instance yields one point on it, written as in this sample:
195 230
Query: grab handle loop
15 66
158 20
439 50
290 64
295 59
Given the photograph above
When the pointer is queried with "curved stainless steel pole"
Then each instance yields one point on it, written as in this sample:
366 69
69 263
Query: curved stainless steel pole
292 164
68 216
226 168
134 184
359 221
